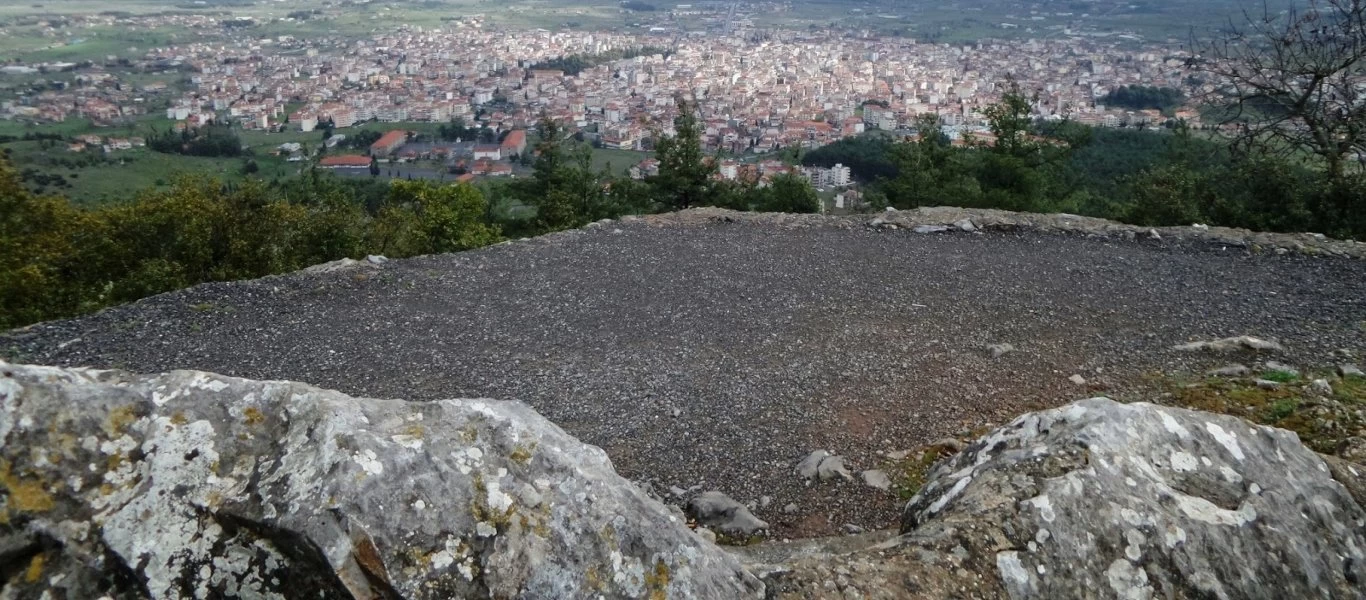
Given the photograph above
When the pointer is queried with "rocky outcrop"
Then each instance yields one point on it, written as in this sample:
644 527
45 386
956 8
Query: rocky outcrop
947 219
1106 500
190 484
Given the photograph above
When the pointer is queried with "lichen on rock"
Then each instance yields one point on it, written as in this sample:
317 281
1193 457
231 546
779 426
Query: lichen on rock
190 484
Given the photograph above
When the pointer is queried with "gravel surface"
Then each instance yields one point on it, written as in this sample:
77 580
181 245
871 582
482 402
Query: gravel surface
699 352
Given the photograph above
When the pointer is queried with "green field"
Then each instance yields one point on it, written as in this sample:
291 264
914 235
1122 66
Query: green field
128 172
616 161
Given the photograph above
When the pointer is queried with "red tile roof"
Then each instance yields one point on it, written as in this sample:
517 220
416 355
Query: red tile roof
345 160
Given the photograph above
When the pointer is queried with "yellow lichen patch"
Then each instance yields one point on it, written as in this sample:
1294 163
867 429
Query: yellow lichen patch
253 415
35 569
521 454
179 418
24 496
658 581
609 535
470 433
592 578
119 420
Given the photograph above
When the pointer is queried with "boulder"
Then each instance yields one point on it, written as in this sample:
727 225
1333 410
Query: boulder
194 484
1231 344
821 465
1099 499
720 512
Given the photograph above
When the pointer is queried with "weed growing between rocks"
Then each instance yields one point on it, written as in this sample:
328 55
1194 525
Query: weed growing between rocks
1330 419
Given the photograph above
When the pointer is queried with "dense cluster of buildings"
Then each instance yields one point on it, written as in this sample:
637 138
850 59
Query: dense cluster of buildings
791 88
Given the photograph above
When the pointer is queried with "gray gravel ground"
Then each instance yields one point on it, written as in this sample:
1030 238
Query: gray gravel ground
766 342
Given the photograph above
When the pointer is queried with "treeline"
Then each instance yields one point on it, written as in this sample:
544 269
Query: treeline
1136 177
59 260
1144 97
456 130
576 63
869 156
209 140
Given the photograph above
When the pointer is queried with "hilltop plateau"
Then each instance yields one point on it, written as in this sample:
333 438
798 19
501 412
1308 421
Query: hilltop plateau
713 350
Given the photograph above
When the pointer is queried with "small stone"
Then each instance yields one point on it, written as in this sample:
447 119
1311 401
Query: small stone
1077 379
1321 387
706 534
677 491
1345 371
1280 367
1231 344
722 513
677 412
1267 384
965 225
764 501
851 529
898 454
999 350
1154 236
811 464
930 228
832 467
376 259
877 478
790 508
1230 371
877 222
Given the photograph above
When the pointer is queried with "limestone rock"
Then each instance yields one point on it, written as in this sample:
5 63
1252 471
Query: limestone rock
877 478
930 228
1230 371
1105 500
1321 387
190 483
809 466
832 467
722 513
821 465
999 350
1280 367
1350 371
965 225
1077 379
1137 500
1231 344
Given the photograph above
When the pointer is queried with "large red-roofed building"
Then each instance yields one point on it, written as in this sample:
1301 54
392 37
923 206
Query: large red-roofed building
389 142
345 160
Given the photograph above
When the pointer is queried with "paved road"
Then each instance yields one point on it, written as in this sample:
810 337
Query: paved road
718 355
